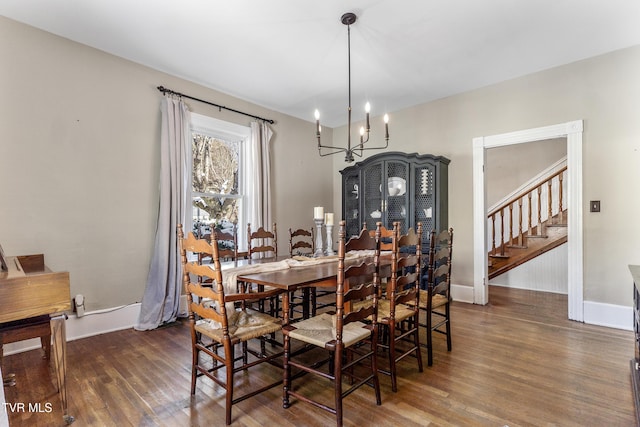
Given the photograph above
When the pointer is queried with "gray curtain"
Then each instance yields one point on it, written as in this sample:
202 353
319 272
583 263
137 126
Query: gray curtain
258 176
161 298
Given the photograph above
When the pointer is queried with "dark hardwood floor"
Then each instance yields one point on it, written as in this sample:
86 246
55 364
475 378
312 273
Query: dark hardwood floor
515 362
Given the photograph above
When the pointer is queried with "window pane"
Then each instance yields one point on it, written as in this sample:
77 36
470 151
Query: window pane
215 211
215 165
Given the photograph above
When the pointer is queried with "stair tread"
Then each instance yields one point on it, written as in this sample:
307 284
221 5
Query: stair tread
555 236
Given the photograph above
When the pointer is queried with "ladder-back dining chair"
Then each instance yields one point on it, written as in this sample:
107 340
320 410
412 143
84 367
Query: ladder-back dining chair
346 335
303 301
435 301
262 242
398 312
215 324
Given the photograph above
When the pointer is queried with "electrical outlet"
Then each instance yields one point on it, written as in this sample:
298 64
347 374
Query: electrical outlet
79 304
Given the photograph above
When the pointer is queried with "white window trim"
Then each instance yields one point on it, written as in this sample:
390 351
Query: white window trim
230 132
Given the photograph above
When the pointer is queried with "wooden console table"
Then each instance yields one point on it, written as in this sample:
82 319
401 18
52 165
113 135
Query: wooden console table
635 362
34 301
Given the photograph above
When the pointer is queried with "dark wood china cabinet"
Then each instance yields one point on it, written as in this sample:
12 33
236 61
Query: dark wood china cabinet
395 186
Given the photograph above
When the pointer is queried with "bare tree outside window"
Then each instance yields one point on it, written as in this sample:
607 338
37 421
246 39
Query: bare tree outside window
216 199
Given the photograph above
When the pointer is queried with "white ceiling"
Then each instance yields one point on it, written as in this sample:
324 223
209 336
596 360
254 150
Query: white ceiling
291 55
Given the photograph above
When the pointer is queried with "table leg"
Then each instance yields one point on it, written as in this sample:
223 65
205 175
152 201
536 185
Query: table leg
285 307
306 298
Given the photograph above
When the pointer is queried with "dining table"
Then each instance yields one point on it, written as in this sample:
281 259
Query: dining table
305 272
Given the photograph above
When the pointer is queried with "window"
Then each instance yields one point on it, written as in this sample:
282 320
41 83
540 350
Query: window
217 191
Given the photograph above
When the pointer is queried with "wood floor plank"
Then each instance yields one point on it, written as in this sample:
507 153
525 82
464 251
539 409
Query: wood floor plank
517 361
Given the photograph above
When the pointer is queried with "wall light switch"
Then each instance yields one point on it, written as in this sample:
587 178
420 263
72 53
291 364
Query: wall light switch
595 206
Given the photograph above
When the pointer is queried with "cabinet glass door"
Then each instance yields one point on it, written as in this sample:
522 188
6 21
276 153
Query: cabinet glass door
351 202
425 199
373 196
397 185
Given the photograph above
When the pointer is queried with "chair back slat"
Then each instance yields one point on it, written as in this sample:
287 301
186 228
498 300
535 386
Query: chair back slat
404 286
227 243
193 244
440 280
262 241
361 242
439 268
207 312
358 282
386 238
301 242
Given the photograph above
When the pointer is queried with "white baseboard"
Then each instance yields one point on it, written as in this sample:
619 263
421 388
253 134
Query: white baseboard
462 293
92 323
595 313
609 315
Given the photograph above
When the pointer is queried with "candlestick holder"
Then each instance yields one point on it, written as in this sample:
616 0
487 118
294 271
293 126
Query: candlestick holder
318 252
329 228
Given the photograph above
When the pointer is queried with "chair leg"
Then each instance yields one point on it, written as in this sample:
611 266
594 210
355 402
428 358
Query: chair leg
245 353
313 296
390 330
416 341
448 327
229 362
374 365
195 356
429 340
337 382
286 383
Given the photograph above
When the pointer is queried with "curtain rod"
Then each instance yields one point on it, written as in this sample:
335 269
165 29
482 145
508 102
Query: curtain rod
164 90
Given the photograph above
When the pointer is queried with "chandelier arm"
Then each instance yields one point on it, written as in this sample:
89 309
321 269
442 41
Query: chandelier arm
337 150
386 145
362 146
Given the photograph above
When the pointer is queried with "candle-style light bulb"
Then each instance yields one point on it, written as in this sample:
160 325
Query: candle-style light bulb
386 126
367 108
317 114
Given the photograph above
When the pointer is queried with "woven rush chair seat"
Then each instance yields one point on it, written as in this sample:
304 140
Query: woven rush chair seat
403 311
321 331
243 325
437 300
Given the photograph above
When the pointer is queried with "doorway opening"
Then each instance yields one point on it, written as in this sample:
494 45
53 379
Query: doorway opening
572 131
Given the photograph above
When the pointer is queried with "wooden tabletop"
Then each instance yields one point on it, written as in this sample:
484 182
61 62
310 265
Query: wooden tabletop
290 279
319 275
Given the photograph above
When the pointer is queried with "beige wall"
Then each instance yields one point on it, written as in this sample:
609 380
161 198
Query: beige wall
79 158
603 91
79 161
508 168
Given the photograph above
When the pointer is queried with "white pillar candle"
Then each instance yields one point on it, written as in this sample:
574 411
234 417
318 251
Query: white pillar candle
318 212
328 218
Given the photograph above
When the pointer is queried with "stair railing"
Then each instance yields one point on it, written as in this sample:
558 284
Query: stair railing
518 214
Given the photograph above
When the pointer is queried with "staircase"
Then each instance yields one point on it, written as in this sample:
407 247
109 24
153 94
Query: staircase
528 224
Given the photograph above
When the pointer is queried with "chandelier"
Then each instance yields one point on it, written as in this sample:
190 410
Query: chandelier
357 149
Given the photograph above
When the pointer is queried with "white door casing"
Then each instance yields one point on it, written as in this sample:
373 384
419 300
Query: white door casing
572 131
